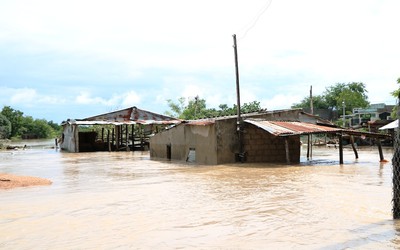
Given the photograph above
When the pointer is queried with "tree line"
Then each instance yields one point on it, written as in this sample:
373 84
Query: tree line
335 97
350 95
196 108
14 124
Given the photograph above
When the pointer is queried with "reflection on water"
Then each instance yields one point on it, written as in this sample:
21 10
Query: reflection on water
125 200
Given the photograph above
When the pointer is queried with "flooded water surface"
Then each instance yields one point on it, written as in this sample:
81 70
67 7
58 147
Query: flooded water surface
125 200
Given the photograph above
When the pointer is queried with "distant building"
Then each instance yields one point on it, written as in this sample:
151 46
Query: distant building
374 112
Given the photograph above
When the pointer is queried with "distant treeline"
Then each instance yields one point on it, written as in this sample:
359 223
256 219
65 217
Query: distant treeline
14 124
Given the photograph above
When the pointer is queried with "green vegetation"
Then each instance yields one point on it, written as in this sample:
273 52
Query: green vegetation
13 124
197 109
395 94
353 95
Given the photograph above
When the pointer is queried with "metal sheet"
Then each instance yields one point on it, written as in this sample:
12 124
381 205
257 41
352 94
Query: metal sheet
132 115
392 125
279 128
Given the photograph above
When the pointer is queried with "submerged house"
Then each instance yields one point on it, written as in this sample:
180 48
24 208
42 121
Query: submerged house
271 136
126 129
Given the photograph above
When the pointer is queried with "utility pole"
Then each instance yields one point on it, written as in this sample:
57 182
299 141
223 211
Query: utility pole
311 101
344 114
309 137
239 119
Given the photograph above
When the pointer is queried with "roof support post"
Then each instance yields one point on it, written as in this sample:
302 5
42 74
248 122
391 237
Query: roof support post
340 148
108 140
287 150
113 136
353 146
309 146
378 142
127 137
117 135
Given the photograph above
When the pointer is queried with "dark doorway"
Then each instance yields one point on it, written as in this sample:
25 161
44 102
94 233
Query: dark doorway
169 151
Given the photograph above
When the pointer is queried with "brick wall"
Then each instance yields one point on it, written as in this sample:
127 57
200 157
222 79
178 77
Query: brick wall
261 146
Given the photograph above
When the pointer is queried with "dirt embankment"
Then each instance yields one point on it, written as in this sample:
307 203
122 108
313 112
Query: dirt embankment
8 181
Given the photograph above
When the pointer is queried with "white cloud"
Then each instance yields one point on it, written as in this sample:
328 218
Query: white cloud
130 98
280 101
187 47
25 95
125 99
28 97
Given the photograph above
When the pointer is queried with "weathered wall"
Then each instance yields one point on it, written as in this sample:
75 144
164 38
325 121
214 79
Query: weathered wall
261 146
70 139
181 139
227 140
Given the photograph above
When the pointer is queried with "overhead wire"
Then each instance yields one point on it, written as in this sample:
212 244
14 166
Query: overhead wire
255 19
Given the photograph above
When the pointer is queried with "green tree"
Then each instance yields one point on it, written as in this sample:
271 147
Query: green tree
197 109
26 125
176 108
15 117
354 95
5 127
319 102
37 128
250 107
395 94
42 129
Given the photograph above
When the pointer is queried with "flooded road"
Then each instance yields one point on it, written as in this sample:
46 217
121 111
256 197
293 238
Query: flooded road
125 200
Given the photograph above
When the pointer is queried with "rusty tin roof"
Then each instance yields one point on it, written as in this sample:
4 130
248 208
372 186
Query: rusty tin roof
282 128
131 115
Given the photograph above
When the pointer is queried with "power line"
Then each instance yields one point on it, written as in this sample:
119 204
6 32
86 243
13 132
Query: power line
256 18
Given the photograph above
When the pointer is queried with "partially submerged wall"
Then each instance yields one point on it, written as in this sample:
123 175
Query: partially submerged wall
186 141
227 140
70 138
261 146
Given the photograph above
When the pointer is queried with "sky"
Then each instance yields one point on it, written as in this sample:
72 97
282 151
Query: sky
80 58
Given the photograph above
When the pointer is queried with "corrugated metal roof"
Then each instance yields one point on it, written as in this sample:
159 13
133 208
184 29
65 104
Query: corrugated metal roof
132 115
280 128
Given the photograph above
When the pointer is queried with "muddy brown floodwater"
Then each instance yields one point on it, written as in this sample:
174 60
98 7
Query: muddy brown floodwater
125 200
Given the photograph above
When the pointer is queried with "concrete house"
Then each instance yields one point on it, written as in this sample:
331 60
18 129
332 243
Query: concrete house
271 136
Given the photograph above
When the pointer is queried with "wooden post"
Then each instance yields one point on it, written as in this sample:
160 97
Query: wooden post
127 137
353 146
108 140
117 134
133 137
340 149
287 150
113 136
378 142
308 147
102 134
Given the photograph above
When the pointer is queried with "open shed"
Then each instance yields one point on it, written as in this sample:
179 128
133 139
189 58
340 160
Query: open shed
126 129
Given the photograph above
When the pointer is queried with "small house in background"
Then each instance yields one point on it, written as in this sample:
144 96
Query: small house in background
376 114
270 136
126 129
